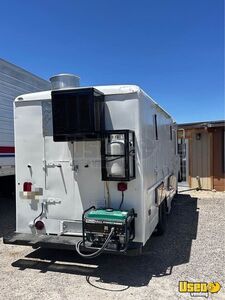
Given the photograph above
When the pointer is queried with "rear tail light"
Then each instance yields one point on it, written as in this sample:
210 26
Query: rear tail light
27 186
39 225
122 186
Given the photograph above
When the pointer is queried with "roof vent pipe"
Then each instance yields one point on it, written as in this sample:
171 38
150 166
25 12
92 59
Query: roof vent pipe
64 81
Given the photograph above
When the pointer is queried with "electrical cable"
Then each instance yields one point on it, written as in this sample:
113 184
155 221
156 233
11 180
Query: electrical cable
105 200
121 203
42 210
99 251
108 193
120 156
113 159
195 189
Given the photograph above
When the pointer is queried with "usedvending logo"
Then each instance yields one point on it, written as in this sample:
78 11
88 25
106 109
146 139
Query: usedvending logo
199 289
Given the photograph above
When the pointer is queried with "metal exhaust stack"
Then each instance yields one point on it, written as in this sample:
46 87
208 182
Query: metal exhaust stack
64 81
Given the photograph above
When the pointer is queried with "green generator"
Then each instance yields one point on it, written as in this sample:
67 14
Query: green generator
108 229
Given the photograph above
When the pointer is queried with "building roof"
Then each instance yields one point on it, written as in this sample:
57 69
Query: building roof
204 124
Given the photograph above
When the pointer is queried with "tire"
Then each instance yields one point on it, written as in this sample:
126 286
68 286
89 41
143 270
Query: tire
162 224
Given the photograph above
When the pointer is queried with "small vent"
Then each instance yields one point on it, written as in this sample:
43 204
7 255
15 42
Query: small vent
64 81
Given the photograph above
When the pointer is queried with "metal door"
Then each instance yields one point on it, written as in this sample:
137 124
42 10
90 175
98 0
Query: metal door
60 187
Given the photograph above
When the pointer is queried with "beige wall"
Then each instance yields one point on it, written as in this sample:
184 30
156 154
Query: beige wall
218 158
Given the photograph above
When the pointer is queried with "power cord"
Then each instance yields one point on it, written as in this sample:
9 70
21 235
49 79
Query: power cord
42 210
121 203
99 251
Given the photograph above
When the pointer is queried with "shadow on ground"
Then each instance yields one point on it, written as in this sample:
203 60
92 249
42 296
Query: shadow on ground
160 255
7 205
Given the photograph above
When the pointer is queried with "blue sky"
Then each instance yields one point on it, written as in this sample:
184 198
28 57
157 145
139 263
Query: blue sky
173 49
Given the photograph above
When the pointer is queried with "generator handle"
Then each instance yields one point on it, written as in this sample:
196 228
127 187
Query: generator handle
84 212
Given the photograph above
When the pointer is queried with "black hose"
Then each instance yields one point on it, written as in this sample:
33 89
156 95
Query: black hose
113 159
119 156
99 251
121 203
42 210
195 189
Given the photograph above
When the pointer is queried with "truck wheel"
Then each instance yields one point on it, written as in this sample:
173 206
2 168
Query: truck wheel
161 227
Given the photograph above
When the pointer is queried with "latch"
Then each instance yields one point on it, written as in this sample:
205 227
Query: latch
51 165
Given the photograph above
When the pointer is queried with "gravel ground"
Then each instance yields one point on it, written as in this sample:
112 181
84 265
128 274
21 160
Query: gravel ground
192 249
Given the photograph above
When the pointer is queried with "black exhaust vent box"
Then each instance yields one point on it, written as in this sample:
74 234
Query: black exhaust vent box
78 114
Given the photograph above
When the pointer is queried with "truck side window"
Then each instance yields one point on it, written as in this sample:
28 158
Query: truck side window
156 127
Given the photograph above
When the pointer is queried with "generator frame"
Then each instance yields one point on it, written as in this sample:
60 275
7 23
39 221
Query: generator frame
112 224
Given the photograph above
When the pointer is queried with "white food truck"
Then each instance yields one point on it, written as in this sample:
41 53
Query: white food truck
96 168
14 81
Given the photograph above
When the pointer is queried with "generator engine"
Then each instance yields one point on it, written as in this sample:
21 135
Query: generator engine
108 228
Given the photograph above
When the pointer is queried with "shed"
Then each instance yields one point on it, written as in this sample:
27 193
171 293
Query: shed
201 149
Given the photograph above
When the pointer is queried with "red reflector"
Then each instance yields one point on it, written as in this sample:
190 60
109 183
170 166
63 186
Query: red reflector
27 186
39 225
122 186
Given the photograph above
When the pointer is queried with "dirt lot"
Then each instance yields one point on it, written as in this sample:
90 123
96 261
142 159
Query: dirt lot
192 249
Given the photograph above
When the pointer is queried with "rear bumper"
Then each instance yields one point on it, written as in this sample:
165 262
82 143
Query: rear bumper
60 242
